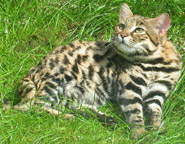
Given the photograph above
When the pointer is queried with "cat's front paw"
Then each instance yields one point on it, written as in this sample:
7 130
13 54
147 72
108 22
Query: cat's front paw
155 121
137 132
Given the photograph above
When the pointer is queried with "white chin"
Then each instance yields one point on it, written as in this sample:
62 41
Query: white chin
125 49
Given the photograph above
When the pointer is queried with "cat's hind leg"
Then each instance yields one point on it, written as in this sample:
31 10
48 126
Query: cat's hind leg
31 98
102 117
47 107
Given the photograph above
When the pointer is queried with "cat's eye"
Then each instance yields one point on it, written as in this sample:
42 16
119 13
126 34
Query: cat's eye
139 30
121 27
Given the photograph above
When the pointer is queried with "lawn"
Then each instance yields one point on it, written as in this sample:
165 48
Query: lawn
30 29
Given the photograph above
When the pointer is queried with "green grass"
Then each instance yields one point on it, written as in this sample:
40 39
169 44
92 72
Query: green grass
29 29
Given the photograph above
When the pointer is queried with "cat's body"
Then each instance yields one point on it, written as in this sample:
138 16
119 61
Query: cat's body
137 70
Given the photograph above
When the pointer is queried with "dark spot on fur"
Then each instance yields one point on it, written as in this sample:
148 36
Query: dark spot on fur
97 57
63 49
65 60
74 76
91 71
79 59
75 68
67 77
70 53
47 74
83 74
85 57
56 74
72 45
62 69
51 64
57 60
76 48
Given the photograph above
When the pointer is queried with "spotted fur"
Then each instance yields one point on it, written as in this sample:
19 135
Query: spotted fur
138 68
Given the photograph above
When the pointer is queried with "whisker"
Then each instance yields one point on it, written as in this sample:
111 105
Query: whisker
109 44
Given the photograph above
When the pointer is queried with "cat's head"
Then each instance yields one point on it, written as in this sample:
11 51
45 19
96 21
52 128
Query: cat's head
137 36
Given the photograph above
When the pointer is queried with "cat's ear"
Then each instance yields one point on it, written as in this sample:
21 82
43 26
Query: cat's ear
125 12
161 23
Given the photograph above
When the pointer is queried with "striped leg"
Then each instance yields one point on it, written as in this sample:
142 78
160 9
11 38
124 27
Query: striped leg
153 102
133 110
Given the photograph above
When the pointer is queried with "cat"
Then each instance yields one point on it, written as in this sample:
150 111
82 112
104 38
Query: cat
136 69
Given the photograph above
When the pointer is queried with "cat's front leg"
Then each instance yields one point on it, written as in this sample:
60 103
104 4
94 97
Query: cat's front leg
131 105
153 100
153 112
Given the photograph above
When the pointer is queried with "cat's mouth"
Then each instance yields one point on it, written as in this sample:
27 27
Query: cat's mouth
124 43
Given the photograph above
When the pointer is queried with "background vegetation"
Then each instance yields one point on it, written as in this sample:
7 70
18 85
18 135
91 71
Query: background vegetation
29 29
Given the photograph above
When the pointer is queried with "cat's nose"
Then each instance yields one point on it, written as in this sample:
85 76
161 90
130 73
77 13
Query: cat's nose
123 35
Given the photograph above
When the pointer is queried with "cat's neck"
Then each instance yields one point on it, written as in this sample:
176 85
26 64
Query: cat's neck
164 50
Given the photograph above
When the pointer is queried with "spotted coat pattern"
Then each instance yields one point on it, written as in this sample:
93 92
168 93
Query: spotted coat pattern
137 69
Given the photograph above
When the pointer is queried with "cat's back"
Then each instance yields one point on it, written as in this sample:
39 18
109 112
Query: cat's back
77 60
